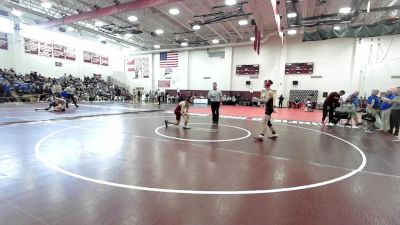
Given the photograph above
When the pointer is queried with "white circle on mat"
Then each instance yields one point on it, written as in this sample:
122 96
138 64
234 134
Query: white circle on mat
204 192
205 140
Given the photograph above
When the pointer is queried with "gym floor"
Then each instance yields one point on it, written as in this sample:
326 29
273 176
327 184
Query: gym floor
114 164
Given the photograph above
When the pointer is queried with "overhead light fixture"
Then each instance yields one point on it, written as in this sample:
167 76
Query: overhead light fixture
128 35
69 29
215 41
184 44
132 18
292 15
292 32
345 10
336 27
196 27
174 11
159 31
16 13
99 24
157 46
46 4
252 39
230 2
243 22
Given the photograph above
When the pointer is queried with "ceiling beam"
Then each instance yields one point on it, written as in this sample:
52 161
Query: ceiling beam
208 26
106 11
33 12
180 23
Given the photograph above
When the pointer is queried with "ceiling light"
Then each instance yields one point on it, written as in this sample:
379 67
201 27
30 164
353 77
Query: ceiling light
345 10
174 11
292 15
230 2
336 27
132 18
70 29
252 39
184 44
159 31
16 13
292 32
215 41
128 35
243 22
99 24
46 4
196 27
157 46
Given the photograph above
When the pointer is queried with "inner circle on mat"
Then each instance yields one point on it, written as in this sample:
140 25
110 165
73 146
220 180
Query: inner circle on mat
203 132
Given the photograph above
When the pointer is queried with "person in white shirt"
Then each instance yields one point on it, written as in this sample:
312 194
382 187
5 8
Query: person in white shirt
215 97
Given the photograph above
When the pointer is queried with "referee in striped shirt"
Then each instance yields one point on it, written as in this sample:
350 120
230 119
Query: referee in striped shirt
215 97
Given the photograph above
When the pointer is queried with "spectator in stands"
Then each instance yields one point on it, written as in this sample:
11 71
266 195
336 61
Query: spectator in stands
281 98
330 103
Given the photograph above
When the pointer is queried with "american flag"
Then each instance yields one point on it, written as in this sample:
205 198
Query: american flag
168 59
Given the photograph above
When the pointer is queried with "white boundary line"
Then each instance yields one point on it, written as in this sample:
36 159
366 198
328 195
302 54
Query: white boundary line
201 140
198 192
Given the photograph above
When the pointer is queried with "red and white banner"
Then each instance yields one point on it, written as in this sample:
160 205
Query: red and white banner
3 41
164 83
104 60
69 53
58 51
31 46
45 49
138 67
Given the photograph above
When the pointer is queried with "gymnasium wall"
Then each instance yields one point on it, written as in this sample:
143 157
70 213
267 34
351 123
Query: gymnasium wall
348 64
23 62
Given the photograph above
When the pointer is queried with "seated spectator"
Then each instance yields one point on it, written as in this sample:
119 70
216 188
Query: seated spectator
296 103
308 105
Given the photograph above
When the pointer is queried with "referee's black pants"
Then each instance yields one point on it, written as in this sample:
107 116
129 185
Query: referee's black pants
215 111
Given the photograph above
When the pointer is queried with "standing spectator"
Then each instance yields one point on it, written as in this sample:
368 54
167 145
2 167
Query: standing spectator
373 108
139 95
395 114
386 109
281 98
70 94
355 100
330 103
215 96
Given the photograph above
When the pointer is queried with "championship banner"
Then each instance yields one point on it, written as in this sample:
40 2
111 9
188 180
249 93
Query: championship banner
104 60
164 83
45 49
3 41
95 58
31 46
58 51
87 57
69 53
138 67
